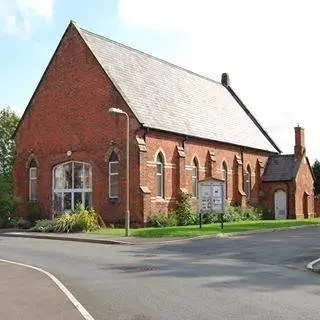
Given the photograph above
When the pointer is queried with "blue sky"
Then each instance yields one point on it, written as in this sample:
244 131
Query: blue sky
269 49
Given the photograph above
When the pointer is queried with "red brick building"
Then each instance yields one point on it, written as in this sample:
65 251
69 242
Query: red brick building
183 127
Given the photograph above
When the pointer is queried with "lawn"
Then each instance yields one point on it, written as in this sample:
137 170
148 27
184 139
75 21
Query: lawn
208 229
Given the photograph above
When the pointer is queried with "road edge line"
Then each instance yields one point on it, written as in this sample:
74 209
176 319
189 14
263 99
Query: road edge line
86 315
311 264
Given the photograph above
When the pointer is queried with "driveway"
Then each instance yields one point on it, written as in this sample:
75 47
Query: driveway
259 276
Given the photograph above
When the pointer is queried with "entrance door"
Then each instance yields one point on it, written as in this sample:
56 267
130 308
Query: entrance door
280 204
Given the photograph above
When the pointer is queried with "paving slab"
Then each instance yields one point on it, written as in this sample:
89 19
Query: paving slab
31 295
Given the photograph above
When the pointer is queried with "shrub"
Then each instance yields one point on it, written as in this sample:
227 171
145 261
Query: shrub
81 219
210 218
184 213
44 226
23 224
8 203
161 219
242 214
34 212
158 220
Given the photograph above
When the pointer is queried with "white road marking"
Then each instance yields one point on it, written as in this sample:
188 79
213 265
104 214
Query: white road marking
86 315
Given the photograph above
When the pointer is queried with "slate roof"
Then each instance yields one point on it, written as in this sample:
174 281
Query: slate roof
167 97
281 168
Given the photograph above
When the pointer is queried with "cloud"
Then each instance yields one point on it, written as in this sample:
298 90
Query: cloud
269 48
19 17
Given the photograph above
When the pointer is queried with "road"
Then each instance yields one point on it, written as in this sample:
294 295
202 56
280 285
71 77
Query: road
259 276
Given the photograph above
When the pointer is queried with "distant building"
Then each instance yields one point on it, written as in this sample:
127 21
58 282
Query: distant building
183 127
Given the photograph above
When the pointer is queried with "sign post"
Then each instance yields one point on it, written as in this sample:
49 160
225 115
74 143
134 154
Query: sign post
211 198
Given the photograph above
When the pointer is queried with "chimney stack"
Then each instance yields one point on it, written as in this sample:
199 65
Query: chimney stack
299 148
225 81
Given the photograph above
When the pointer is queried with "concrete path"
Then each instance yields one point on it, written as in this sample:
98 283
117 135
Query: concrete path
29 294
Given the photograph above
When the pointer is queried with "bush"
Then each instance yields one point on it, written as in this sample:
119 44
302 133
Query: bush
44 226
8 203
161 219
184 213
242 214
34 213
23 224
80 220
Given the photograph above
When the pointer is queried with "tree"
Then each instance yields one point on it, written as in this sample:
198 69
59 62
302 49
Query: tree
8 123
316 172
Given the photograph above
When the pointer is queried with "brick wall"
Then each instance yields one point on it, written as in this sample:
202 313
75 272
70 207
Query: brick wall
304 195
69 111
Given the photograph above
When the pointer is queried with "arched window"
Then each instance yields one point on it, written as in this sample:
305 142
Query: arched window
224 170
32 180
195 177
160 176
113 175
247 182
72 184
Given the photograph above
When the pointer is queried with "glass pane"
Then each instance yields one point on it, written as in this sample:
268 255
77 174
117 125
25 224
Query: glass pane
67 168
58 178
77 198
57 202
33 173
194 171
194 187
113 157
88 199
114 167
159 168
87 176
78 175
67 200
114 192
159 186
33 189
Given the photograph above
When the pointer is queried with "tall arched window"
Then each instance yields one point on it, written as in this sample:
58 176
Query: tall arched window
224 169
33 180
113 175
195 177
247 182
72 184
160 176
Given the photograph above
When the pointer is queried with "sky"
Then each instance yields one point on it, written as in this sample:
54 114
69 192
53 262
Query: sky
270 49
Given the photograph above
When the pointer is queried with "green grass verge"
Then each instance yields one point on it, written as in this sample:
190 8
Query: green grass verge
193 231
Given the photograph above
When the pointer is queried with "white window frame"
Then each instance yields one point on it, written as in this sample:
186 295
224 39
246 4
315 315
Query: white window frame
161 175
113 174
30 184
248 182
70 190
194 177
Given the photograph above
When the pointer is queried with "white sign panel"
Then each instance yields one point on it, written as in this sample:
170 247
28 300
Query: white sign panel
211 196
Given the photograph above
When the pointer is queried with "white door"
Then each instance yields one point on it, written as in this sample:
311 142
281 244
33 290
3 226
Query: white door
280 204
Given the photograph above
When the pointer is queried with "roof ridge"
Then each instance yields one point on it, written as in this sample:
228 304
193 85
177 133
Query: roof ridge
150 56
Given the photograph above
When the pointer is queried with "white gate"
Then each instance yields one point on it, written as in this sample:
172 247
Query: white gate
280 204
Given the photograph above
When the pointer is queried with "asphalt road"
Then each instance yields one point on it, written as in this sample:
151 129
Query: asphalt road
259 276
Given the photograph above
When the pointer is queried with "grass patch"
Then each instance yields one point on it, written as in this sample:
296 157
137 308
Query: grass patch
207 229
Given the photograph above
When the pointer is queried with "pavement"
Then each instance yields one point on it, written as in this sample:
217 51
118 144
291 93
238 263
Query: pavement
259 276
119 240
29 294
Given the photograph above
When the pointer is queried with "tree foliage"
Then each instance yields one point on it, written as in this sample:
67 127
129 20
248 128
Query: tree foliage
316 172
8 123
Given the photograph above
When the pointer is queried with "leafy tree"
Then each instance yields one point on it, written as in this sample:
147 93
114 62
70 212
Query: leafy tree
316 172
8 124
